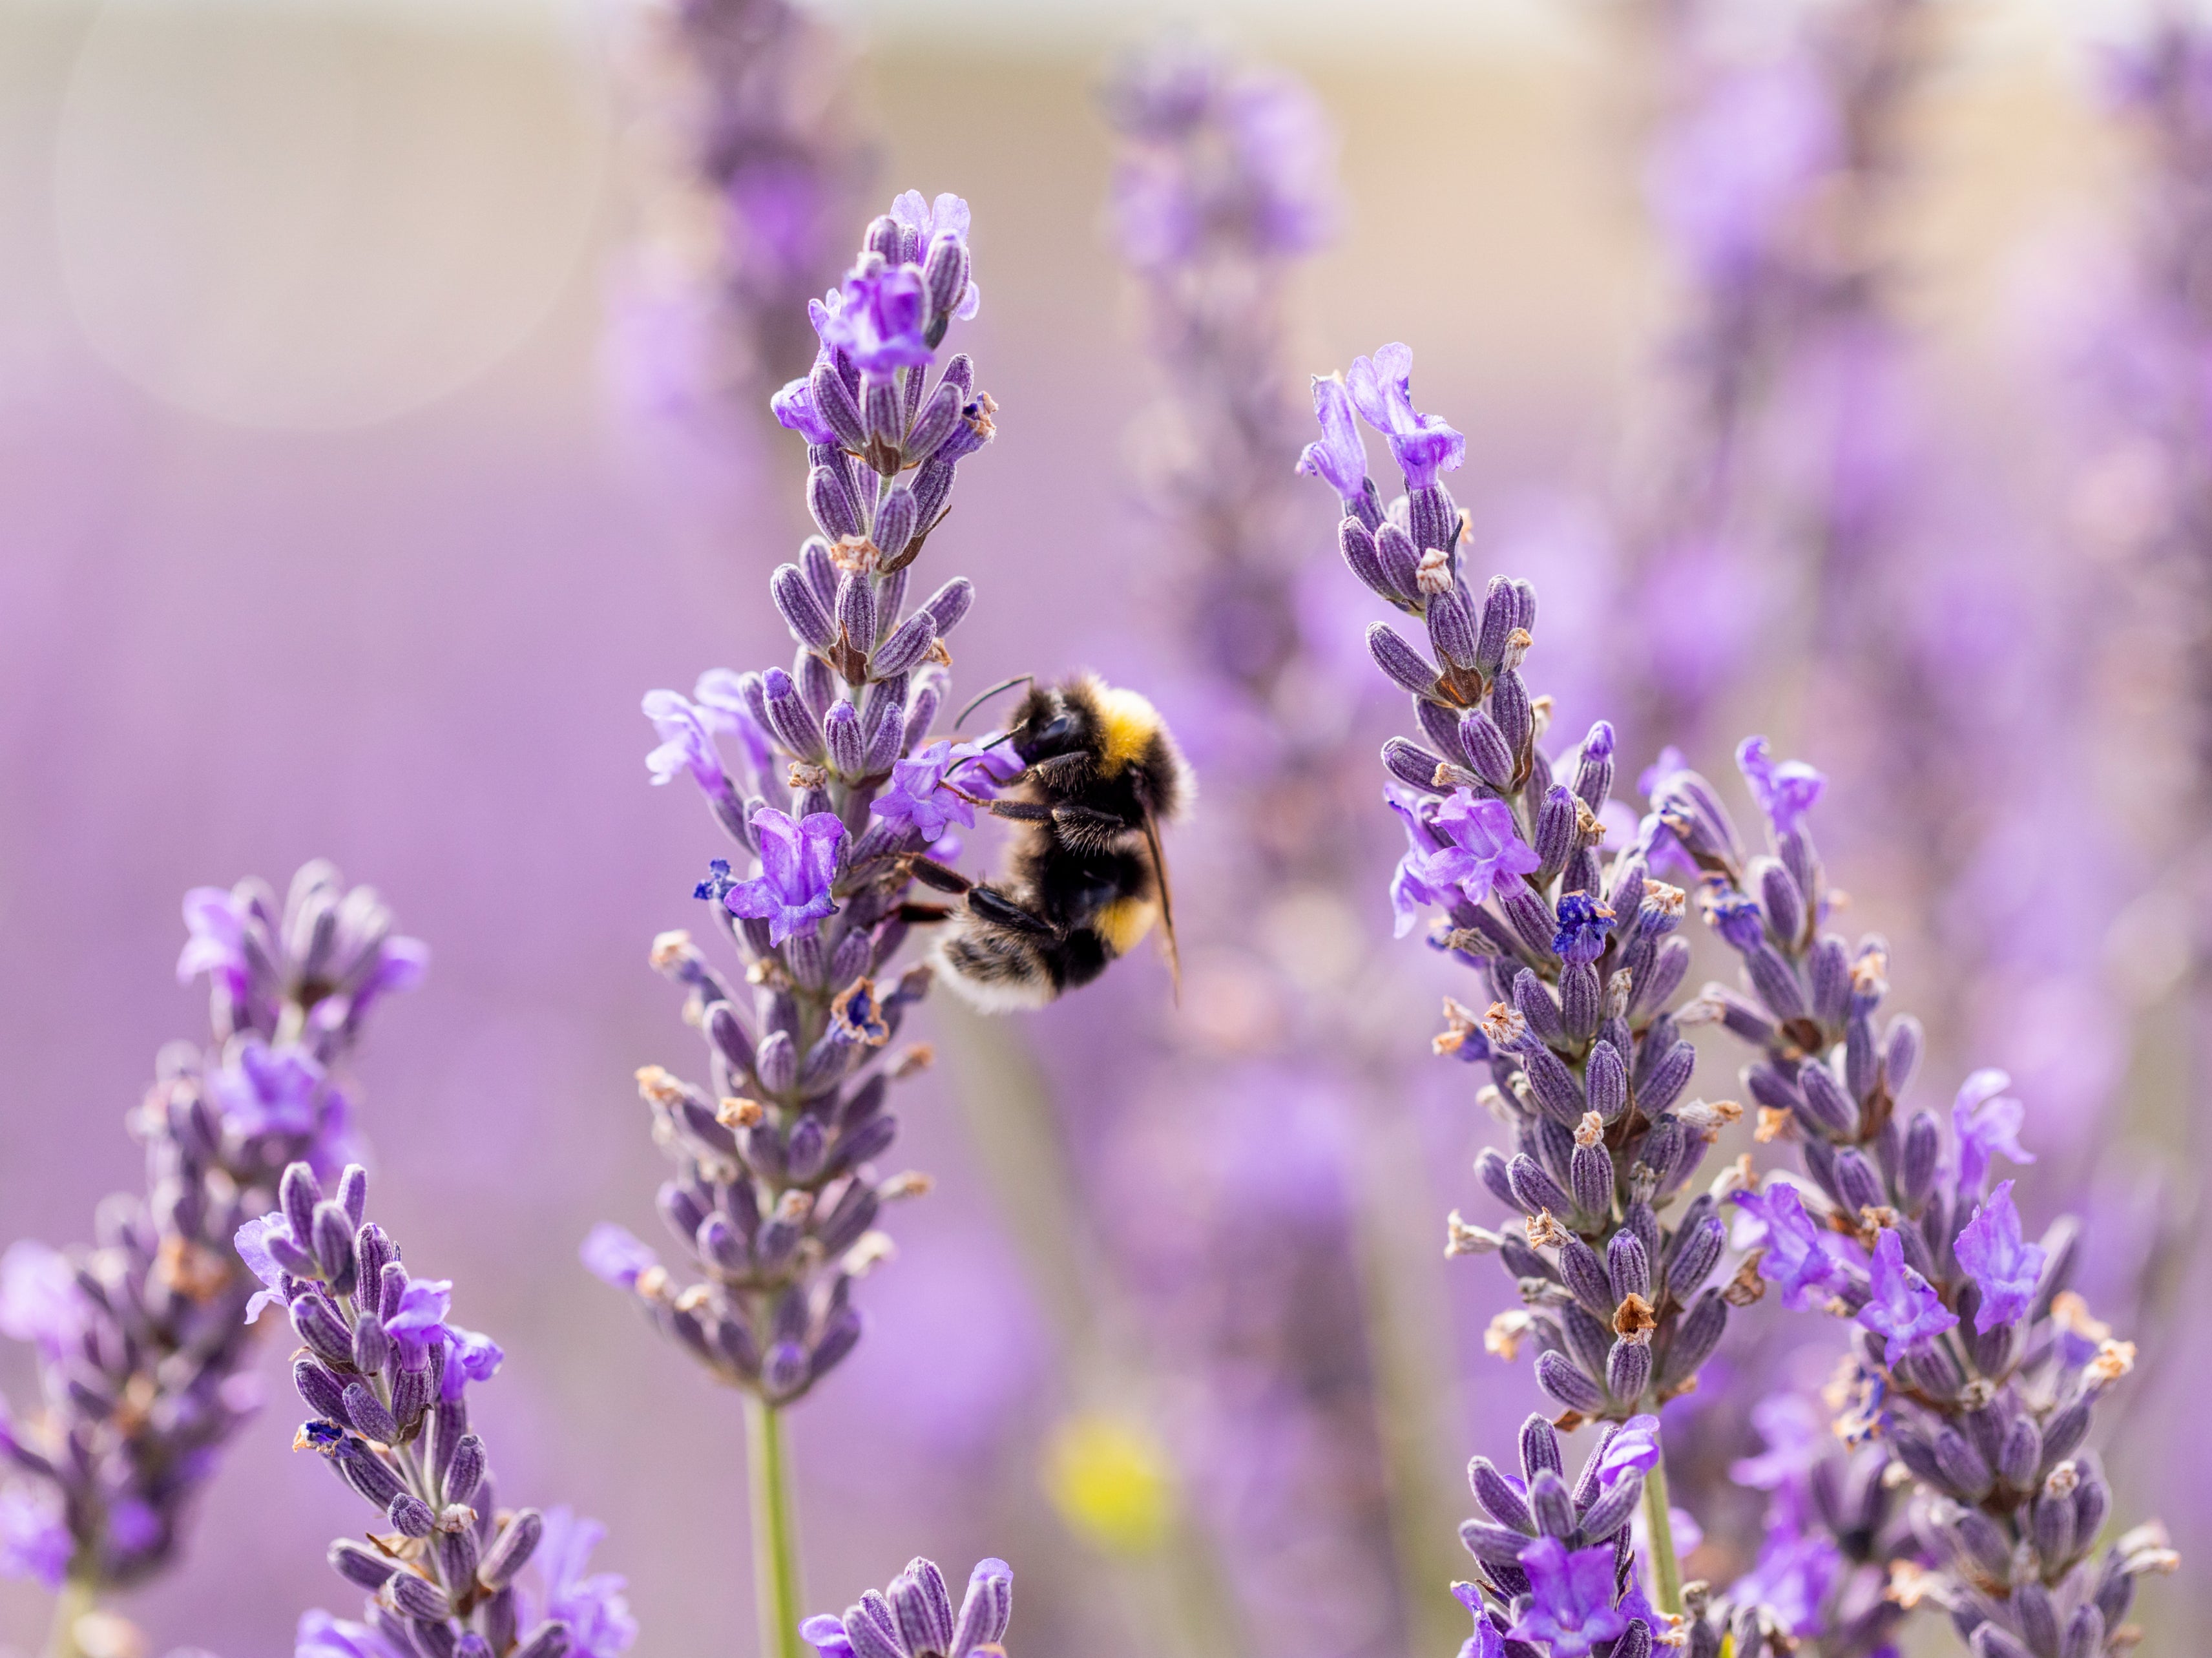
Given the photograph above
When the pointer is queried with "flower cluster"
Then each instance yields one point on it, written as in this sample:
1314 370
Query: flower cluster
754 167
143 1352
837 782
1557 1560
1973 1363
1836 1529
1574 947
914 1619
386 1374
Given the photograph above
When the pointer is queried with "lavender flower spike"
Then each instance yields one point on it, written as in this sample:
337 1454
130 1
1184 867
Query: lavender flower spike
1973 1364
1613 1251
144 1341
385 1376
914 1618
775 1195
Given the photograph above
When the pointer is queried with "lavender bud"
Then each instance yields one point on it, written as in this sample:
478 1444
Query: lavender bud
1500 616
366 1472
881 413
1510 708
856 609
322 1329
297 1194
332 1235
1628 1371
939 419
1830 971
1493 1546
416 1597
1695 1337
1540 1447
549 1640
1490 1168
1592 1178
950 603
1412 764
1827 1108
1964 1468
372 1347
776 1063
908 645
1360 551
944 274
1609 1513
1859 1187
1923 1151
831 504
1779 897
1900 1054
1487 751
792 720
517 1541
1697 1251
1399 660
1401 560
1557 1095
1535 1190
1666 1078
841 736
359 1564
353 1191
1497 1496
833 400
1585 1278
1627 1267
1451 628
1558 1375
1548 1502
1555 832
1605 1079
410 1515
321 1392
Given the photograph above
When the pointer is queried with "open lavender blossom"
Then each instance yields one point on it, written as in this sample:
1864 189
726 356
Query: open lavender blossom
914 1618
830 780
144 1349
1972 1362
1554 1560
385 1372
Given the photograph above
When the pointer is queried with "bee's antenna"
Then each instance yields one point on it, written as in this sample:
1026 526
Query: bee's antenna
1003 685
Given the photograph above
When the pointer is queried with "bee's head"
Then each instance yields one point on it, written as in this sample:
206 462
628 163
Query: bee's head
1049 723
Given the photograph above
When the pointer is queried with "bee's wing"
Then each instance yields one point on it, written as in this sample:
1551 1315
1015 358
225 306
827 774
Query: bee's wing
1167 903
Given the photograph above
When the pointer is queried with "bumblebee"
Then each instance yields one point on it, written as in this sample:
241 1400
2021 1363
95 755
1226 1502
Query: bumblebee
1084 880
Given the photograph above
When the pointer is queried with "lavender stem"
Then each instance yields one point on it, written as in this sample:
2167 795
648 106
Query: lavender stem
1659 1525
77 1596
775 1531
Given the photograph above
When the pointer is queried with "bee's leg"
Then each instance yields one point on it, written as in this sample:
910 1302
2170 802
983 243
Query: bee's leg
1020 811
921 914
930 873
1088 830
990 904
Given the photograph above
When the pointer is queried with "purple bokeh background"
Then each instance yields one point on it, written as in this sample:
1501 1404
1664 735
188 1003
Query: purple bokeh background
416 646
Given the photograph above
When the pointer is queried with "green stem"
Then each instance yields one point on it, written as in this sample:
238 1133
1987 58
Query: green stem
1658 1523
776 1532
76 1598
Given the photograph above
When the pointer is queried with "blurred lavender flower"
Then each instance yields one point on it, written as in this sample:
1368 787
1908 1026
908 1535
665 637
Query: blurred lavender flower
1987 1415
914 1619
144 1341
1223 182
386 1377
749 176
1769 178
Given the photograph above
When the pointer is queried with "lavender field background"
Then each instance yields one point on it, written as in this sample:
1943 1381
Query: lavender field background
327 528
